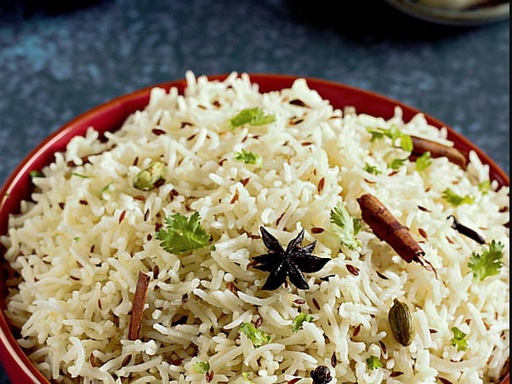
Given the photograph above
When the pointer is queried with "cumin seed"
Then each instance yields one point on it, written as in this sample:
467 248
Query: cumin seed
234 199
126 360
382 276
423 209
353 270
298 103
158 131
279 219
93 360
320 186
121 216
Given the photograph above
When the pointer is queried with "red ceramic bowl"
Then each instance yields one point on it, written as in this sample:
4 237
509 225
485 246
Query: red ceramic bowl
111 115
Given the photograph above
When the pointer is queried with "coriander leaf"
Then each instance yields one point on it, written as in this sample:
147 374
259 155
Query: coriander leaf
423 162
404 140
182 235
248 157
484 186
299 320
345 226
488 263
455 199
246 376
373 362
396 163
459 339
257 336
250 116
201 366
376 135
371 169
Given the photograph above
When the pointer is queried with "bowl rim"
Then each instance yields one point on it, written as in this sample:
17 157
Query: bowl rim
112 113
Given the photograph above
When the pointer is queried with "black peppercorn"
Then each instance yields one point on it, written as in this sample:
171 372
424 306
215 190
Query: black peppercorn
321 375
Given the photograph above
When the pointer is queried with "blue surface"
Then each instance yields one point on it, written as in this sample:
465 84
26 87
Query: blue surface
57 63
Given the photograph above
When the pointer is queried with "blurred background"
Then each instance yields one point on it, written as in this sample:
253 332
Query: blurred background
57 61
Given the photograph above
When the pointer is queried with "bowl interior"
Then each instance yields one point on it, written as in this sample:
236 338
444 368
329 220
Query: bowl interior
111 115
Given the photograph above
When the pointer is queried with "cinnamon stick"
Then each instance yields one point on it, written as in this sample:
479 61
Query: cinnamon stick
387 228
139 300
421 146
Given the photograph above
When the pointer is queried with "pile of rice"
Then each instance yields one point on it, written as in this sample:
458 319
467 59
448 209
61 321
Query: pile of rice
79 245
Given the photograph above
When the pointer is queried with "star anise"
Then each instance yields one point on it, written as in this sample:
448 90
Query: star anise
292 262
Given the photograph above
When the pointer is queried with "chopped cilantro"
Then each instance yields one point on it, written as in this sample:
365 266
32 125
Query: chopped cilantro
248 157
404 140
488 263
201 366
345 226
423 162
459 339
373 362
257 336
455 199
396 163
484 186
250 116
182 235
371 169
299 320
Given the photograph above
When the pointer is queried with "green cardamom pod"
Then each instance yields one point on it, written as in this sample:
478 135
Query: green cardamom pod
147 178
400 321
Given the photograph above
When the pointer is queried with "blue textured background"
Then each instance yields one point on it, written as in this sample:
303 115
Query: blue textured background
56 63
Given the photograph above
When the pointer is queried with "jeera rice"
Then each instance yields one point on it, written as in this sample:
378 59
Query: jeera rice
232 162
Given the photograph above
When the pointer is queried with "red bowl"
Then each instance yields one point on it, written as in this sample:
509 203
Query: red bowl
111 115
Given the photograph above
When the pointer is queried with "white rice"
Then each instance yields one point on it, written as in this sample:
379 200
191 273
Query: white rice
79 261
